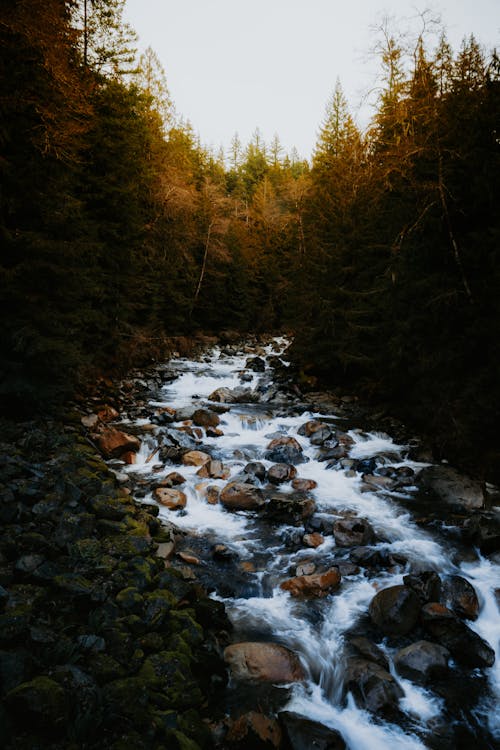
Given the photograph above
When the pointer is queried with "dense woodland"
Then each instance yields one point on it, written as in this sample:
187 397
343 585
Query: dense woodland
119 227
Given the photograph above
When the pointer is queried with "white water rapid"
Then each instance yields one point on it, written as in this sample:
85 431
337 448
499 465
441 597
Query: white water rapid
319 630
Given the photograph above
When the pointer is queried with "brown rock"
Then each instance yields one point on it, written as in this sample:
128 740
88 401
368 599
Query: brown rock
195 458
254 731
266 662
189 558
214 469
460 596
173 479
279 473
214 432
350 532
165 550
107 413
205 418
213 494
241 496
170 498
129 457
314 586
305 568
304 485
114 443
395 610
313 540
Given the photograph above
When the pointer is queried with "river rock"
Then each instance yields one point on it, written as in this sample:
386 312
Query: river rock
315 539
214 469
466 646
285 450
351 532
257 364
309 428
422 661
304 485
460 596
241 496
484 532
195 458
255 470
107 413
452 487
395 610
372 687
322 436
303 734
279 473
113 443
212 494
170 498
369 651
264 662
314 586
90 421
205 418
285 508
253 730
427 585
173 479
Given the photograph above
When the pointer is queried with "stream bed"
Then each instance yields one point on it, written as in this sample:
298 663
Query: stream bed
297 520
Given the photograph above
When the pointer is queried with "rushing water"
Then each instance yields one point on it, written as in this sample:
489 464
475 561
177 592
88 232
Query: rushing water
316 631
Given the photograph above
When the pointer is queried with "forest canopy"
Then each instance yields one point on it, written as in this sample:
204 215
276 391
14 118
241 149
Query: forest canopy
118 226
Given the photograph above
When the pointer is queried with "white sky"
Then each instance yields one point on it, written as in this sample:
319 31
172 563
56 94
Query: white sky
234 65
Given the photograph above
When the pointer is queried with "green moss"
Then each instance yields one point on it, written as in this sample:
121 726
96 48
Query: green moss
182 623
130 599
41 702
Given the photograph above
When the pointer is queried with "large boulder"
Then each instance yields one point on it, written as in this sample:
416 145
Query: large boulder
352 532
465 645
453 487
313 586
303 734
422 661
113 443
40 704
241 496
395 610
285 450
264 662
373 688
460 596
369 651
205 418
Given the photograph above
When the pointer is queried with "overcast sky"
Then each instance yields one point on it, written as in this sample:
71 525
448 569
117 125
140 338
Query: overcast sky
234 65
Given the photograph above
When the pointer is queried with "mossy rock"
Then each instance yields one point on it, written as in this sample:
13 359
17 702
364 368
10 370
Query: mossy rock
126 546
111 508
169 675
74 585
136 527
151 642
191 724
41 703
172 581
183 623
127 698
130 599
178 741
158 606
105 668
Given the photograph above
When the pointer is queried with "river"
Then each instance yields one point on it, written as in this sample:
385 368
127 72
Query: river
261 551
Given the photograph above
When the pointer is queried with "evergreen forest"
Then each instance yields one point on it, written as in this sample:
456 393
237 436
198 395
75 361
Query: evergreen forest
118 228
